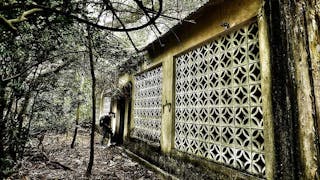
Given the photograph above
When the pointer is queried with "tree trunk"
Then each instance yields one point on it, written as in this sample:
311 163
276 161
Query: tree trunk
295 87
2 120
76 128
93 122
22 112
32 113
21 131
9 105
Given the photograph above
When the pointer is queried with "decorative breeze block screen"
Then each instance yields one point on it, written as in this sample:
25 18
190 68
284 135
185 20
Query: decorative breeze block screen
147 106
218 112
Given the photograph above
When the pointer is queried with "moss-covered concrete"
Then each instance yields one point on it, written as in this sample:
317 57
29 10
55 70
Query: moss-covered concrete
184 166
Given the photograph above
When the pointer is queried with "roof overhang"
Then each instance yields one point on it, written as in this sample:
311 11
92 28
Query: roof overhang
172 33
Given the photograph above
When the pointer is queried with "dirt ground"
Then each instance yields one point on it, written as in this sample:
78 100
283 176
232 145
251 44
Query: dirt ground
57 157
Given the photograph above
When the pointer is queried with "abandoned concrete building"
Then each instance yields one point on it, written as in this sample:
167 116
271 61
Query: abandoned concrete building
234 95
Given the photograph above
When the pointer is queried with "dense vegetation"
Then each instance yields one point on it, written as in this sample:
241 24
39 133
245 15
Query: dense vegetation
45 48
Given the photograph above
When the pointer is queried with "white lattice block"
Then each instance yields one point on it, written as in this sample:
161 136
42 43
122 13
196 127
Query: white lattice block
147 106
218 104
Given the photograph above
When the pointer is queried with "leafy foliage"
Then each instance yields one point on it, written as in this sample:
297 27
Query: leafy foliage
29 62
44 70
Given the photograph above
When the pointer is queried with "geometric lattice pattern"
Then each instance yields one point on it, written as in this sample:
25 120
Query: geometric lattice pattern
218 112
147 106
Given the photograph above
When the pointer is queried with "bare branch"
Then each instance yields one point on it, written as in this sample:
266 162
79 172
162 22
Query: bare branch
79 19
123 26
10 23
153 12
139 3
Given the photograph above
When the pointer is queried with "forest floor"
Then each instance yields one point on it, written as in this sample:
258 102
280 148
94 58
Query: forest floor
59 161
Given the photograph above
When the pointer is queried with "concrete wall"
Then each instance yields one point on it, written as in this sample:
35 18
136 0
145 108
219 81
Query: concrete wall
291 120
207 27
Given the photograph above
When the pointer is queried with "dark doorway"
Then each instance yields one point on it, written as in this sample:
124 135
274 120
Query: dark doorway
129 115
129 99
120 127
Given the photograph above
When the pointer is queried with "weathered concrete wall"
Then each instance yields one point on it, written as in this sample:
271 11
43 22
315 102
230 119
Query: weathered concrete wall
292 108
290 70
207 27
184 166
234 13
115 123
266 91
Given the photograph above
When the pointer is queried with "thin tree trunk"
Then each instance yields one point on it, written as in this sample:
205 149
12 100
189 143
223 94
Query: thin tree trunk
88 173
9 106
2 120
12 126
32 113
30 119
76 128
21 132
22 112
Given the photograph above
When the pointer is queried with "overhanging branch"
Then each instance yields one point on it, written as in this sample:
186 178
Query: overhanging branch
33 8
10 22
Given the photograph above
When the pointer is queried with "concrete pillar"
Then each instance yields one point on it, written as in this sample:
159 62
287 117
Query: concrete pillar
264 49
167 123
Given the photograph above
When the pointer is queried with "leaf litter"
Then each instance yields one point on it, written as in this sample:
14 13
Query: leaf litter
56 160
